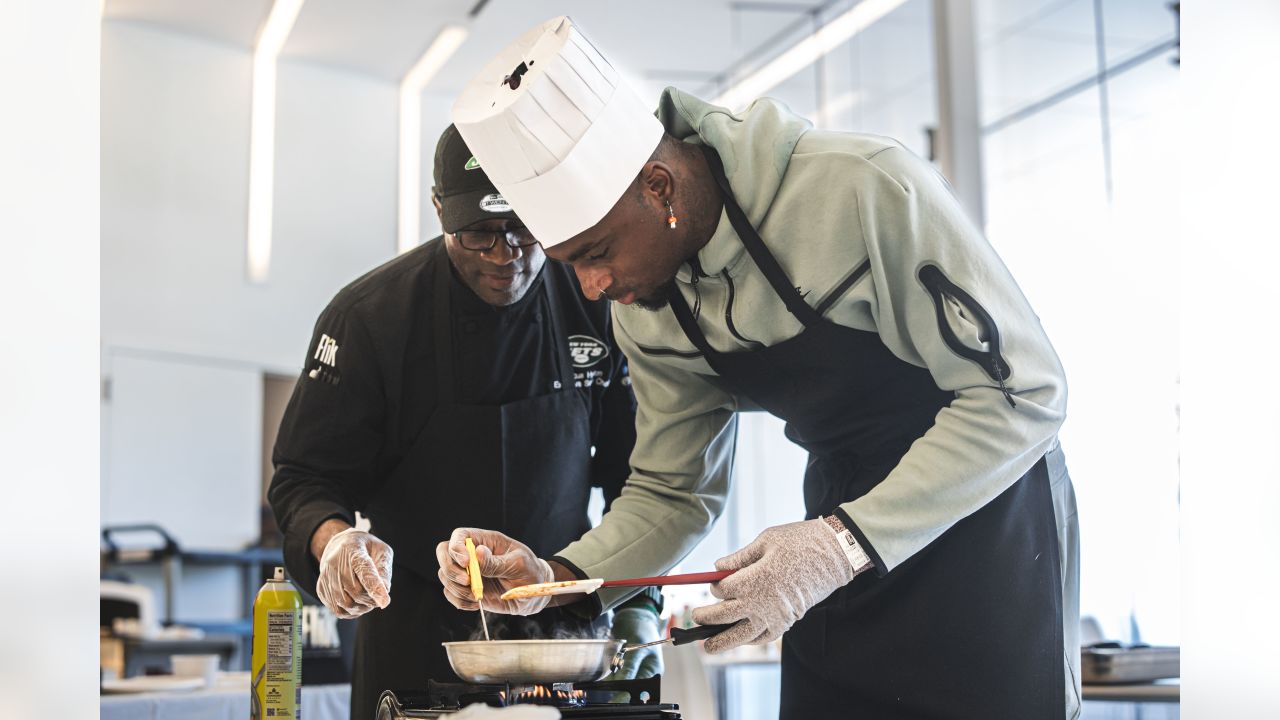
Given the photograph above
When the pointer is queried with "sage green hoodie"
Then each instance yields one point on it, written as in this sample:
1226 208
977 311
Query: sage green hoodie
852 219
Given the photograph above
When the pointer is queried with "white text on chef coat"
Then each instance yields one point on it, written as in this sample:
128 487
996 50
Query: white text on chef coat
327 351
326 355
589 378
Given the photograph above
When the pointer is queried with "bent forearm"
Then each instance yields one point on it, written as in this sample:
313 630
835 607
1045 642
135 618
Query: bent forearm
323 534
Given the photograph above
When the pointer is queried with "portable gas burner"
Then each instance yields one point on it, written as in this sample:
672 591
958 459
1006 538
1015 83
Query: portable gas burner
579 701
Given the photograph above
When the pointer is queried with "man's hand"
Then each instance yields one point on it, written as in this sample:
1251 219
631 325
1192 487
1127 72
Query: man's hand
355 574
504 564
637 623
780 575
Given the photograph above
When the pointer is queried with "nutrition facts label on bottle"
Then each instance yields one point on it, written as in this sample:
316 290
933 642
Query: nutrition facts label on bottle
280 624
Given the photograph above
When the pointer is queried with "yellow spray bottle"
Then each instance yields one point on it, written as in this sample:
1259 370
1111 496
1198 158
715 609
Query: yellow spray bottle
276 670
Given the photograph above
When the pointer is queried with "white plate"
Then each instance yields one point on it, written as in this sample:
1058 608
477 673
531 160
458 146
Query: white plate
152 683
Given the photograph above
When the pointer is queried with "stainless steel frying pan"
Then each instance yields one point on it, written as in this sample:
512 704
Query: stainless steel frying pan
552 661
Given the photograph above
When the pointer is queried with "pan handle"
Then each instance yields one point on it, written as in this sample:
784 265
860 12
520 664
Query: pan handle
680 636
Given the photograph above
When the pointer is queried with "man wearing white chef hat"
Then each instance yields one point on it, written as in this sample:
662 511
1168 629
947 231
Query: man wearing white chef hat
832 280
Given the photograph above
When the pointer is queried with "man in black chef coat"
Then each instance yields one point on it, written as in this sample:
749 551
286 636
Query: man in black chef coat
435 395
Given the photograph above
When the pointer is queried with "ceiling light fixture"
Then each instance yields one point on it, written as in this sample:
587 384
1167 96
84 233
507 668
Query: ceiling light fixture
262 134
806 52
442 48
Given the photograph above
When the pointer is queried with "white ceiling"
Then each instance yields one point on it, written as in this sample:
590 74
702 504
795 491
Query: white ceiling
234 22
1029 48
383 38
657 42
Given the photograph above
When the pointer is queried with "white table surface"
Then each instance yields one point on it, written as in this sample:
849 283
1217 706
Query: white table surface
228 699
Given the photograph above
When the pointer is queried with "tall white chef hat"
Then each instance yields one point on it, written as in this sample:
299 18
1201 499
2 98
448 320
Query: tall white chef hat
556 129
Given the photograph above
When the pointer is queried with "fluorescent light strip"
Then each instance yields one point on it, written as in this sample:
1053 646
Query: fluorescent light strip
807 51
262 134
441 49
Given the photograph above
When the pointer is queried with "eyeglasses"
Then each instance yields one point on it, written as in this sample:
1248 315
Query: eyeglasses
483 240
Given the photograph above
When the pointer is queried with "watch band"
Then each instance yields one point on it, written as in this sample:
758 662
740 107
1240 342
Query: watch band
857 557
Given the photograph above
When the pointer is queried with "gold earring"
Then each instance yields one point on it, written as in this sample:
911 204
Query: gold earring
671 216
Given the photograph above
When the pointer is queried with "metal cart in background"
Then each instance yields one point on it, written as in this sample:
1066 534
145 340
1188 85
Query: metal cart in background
327 643
229 638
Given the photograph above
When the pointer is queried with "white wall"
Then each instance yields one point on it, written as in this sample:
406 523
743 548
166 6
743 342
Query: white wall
48 355
175 127
182 447
185 337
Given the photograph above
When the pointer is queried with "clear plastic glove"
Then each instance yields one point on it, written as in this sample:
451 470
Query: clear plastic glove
504 564
635 625
785 571
355 574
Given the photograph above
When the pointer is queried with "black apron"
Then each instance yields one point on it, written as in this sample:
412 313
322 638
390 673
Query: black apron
970 626
522 468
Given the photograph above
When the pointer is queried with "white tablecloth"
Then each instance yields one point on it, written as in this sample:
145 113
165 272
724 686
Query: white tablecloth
227 700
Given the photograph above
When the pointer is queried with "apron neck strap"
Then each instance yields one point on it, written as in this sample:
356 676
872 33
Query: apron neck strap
755 246
684 316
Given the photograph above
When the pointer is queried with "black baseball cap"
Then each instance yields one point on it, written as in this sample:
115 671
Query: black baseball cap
465 192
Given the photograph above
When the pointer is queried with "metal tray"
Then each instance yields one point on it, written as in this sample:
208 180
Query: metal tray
1112 665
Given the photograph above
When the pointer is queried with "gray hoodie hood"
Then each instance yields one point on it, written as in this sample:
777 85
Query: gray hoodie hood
767 127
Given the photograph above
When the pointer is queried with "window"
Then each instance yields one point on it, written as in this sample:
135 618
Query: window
1080 156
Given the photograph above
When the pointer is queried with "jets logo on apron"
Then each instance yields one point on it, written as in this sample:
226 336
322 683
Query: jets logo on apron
586 351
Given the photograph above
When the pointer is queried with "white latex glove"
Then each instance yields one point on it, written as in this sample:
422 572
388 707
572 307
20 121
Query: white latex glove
355 574
504 563
785 571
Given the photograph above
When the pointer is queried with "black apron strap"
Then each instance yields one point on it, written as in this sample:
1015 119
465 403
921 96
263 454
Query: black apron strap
684 316
751 240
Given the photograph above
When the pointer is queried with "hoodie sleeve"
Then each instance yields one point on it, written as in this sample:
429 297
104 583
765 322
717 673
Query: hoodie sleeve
943 299
685 437
613 431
